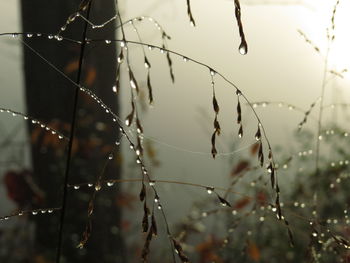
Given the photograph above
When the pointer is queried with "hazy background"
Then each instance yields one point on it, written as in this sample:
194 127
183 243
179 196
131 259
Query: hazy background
280 66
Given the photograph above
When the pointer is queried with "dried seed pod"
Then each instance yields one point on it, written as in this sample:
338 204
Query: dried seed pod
130 117
133 82
138 126
215 104
142 194
147 64
145 250
243 47
213 148
258 134
240 131
120 58
223 201
170 64
272 178
180 252
278 207
261 154
149 86
239 112
145 224
189 13
217 125
154 228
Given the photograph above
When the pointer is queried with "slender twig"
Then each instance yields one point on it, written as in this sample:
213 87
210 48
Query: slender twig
70 144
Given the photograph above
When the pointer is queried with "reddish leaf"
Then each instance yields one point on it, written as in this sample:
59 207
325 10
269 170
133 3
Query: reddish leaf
253 251
254 149
242 202
241 166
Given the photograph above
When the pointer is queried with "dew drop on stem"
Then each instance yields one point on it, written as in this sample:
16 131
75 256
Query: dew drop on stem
243 48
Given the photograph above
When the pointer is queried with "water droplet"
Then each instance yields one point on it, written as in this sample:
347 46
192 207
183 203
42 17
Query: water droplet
50 36
98 187
185 59
34 213
243 49
122 43
152 183
114 89
107 41
159 207
210 190
90 185
110 184
132 84
29 35
76 187
110 156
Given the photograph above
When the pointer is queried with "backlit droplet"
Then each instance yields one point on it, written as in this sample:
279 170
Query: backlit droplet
110 156
152 183
122 44
159 207
110 184
29 35
90 185
210 190
98 187
108 41
34 213
243 49
76 187
132 84
50 211
114 89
